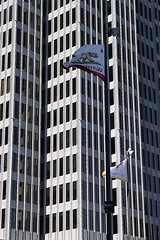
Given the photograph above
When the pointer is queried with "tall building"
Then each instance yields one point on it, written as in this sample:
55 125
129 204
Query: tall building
52 121
20 98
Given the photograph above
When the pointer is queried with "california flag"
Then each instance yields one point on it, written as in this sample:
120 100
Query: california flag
89 58
119 171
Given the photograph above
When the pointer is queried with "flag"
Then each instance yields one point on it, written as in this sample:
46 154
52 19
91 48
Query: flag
88 58
130 152
119 171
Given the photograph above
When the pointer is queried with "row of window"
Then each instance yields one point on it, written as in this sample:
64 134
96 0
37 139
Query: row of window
6 41
92 141
6 61
58 193
24 88
6 111
26 66
62 94
93 4
150 159
59 166
61 21
147 92
53 5
27 169
146 12
26 17
94 21
26 110
7 16
150 183
21 193
63 137
4 139
23 137
148 114
63 43
61 115
149 136
20 219
25 42
58 221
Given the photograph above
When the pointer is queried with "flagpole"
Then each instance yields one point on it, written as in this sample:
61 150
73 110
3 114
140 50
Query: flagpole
108 204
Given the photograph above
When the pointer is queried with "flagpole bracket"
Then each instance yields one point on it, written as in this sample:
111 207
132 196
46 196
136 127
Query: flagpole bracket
108 206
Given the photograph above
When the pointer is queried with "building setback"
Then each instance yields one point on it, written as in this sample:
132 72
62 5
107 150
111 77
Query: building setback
52 121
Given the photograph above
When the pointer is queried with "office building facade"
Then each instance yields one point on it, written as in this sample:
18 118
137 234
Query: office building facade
55 190
20 63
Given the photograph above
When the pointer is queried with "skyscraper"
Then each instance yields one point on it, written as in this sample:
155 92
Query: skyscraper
20 87
52 121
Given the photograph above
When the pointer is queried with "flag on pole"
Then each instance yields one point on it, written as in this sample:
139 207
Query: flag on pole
88 58
119 171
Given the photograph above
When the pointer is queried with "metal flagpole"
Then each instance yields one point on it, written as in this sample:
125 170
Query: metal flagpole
108 204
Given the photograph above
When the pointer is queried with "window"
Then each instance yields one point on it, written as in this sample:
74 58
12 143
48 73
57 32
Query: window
60 166
67 138
4 190
61 221
3 62
74 190
67 164
67 114
67 220
61 44
61 21
4 39
67 18
54 222
47 223
34 222
54 195
48 170
19 13
73 111
10 36
67 88
61 67
54 143
97 222
55 69
74 163
49 6
73 38
67 192
55 24
47 196
28 193
54 168
55 93
4 16
75 218
73 15
74 136
3 219
61 115
60 193
20 219
26 17
31 42
67 41
61 140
